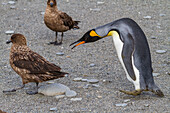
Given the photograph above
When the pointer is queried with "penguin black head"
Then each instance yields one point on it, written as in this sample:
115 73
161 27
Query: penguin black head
90 36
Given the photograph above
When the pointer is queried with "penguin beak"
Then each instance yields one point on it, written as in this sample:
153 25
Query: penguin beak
78 43
9 41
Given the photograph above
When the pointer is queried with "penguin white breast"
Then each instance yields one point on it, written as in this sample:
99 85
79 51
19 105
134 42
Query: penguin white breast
119 46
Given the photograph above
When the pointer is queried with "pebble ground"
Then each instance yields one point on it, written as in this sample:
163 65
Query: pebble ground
26 17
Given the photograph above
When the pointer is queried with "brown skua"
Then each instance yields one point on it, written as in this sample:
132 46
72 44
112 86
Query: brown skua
58 21
30 65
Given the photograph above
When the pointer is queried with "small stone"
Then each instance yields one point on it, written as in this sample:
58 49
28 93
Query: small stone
153 37
50 82
9 32
42 13
59 96
4 3
84 80
53 89
146 105
77 79
96 9
93 81
99 3
71 93
161 51
162 14
60 53
99 96
68 56
92 65
76 99
12 7
53 109
86 86
121 105
11 2
127 100
155 74
147 17
95 85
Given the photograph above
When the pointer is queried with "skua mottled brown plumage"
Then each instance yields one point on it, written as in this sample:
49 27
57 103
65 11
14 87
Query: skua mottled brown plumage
58 21
30 65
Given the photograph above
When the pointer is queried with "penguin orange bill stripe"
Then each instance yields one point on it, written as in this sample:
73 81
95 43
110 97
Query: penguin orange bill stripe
82 42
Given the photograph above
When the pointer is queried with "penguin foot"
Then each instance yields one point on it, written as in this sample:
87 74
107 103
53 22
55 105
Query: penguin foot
158 92
135 92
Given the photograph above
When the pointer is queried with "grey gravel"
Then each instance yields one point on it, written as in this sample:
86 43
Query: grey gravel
27 20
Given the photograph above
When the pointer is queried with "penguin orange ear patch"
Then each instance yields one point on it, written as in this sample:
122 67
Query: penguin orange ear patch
93 33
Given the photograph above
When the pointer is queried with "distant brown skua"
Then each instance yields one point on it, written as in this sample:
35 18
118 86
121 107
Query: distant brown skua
29 65
58 21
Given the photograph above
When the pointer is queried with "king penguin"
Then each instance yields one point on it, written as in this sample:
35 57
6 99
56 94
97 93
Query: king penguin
133 52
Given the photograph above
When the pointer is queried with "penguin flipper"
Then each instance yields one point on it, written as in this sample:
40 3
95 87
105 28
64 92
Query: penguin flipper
127 52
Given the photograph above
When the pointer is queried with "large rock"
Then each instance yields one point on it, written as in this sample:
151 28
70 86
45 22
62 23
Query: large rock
53 89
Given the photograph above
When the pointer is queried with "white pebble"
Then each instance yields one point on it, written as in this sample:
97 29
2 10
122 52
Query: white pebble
156 74
84 80
121 105
60 53
161 51
95 85
162 14
92 65
11 2
71 93
53 109
42 13
147 17
12 7
99 3
77 79
96 9
59 96
76 99
127 100
93 81
9 32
